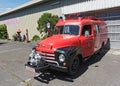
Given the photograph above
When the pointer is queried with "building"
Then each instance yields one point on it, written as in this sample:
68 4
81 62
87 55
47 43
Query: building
26 16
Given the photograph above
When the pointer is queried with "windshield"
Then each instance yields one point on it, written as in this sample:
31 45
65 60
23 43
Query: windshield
67 29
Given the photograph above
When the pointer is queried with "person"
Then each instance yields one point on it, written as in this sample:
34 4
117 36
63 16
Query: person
24 37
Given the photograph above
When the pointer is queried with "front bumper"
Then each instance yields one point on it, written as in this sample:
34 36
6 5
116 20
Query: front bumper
45 67
40 61
36 69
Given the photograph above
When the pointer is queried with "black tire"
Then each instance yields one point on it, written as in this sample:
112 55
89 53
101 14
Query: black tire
107 46
74 66
101 49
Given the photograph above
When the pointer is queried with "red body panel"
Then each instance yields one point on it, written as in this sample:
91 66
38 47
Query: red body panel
89 45
57 41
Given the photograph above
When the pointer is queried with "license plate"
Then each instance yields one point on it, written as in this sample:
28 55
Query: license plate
30 69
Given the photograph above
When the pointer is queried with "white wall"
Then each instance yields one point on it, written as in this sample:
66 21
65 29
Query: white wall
90 5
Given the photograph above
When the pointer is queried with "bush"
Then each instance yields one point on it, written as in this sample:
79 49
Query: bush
15 37
3 32
35 38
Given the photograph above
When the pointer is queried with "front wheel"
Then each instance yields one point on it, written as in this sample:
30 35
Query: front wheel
74 66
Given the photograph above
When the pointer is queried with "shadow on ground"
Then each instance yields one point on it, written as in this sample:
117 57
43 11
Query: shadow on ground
1 43
49 75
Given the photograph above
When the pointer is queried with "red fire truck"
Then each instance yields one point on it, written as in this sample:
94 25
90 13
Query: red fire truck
74 40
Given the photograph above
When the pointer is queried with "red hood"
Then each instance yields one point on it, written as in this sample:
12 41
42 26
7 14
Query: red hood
57 41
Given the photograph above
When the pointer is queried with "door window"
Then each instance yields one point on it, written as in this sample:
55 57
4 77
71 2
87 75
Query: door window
86 30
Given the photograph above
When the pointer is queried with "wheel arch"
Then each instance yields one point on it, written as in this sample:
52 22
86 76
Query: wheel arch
80 58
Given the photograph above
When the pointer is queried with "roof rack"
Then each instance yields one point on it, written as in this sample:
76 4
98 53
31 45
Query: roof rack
92 18
73 16
80 16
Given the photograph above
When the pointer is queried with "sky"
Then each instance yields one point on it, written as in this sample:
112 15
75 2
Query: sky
9 4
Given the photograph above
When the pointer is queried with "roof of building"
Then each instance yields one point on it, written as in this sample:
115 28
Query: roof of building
31 3
89 5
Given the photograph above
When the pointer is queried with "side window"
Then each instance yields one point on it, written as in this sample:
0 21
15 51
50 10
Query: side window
58 30
97 29
86 31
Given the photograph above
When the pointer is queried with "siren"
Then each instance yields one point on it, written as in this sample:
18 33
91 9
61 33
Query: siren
61 18
80 16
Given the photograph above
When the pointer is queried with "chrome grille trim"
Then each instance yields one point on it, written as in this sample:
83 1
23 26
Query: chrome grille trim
47 54
50 58
53 62
46 57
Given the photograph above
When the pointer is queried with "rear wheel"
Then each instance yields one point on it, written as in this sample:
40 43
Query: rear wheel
74 66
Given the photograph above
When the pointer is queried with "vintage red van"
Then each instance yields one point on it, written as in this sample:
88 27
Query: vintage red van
74 41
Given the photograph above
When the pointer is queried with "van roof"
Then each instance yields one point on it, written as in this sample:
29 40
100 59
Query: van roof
80 20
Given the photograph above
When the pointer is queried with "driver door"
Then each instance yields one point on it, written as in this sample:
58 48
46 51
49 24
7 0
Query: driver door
87 43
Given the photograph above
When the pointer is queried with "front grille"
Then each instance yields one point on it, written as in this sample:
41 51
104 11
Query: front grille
49 58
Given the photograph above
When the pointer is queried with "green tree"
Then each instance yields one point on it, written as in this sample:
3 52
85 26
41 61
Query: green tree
43 21
3 31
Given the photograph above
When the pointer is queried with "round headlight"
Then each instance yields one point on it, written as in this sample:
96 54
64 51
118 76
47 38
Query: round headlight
37 55
61 58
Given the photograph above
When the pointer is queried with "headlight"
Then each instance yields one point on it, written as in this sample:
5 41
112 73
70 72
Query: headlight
37 56
61 58
34 58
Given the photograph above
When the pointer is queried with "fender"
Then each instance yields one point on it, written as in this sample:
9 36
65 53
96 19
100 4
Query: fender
68 52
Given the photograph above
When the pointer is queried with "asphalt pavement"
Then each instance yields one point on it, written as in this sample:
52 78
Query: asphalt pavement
101 70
